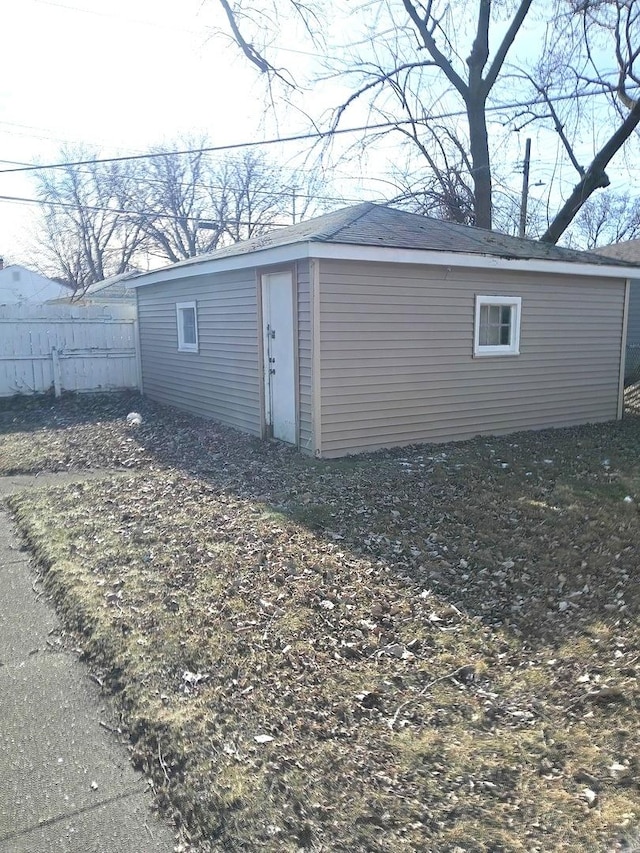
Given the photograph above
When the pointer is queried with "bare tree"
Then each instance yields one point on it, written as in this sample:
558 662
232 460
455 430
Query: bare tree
422 57
174 205
473 84
245 15
604 219
443 190
260 195
193 204
98 217
418 59
87 231
589 36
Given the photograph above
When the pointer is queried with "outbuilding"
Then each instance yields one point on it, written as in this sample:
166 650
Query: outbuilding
629 252
371 327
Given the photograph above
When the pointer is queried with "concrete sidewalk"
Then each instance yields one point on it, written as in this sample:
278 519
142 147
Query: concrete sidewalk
66 784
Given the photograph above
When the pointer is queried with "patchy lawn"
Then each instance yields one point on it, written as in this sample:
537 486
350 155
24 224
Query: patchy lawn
76 432
434 649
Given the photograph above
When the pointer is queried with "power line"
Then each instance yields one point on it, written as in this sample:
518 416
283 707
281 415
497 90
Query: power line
293 193
279 140
296 183
205 220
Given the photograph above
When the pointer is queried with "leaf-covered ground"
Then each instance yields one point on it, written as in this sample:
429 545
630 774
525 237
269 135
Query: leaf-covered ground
433 649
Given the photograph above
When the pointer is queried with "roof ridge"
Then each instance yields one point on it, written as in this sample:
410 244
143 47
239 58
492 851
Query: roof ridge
357 214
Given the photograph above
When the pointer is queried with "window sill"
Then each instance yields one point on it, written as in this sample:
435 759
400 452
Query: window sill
497 354
188 348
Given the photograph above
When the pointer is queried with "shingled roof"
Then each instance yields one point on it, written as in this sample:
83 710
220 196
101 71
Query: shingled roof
112 288
374 225
629 251
369 224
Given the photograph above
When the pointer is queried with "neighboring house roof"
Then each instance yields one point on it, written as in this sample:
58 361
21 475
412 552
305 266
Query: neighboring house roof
628 251
112 288
19 285
385 233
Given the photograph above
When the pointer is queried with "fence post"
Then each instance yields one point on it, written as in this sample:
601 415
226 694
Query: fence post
57 380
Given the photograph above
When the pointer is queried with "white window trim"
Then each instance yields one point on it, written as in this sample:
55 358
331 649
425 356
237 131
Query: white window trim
183 346
513 347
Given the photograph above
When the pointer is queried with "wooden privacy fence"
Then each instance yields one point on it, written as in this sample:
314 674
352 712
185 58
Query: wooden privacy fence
67 348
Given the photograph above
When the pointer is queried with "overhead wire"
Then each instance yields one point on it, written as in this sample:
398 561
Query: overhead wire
123 212
279 140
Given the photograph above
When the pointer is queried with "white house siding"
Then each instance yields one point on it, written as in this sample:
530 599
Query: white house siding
397 363
220 381
305 430
21 286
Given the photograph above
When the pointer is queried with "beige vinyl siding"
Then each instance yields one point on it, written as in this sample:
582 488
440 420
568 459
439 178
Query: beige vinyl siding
220 381
305 430
397 361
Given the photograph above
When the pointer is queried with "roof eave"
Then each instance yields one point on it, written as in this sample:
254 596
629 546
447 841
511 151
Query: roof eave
207 266
461 259
382 254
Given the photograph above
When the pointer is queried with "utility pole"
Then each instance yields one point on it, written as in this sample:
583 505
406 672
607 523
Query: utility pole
293 205
525 189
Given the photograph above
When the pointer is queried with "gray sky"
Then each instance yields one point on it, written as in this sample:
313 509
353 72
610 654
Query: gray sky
117 78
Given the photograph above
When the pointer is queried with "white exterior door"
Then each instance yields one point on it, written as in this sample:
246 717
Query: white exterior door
279 361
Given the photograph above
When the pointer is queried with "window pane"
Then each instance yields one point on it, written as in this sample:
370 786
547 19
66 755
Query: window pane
189 325
493 336
494 314
495 325
484 326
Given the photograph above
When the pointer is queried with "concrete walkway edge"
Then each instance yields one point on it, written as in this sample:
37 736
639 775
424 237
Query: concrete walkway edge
66 783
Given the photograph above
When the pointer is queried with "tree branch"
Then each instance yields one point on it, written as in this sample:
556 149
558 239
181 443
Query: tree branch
254 56
559 128
594 178
429 42
248 49
505 45
479 51
381 79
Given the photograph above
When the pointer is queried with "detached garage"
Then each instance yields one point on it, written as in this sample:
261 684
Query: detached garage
370 327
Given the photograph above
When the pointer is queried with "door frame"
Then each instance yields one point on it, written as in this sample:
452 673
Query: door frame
292 269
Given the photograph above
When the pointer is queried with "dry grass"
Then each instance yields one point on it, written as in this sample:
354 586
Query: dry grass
442 643
76 432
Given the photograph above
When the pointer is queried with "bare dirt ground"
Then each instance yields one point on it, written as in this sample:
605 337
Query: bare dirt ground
430 649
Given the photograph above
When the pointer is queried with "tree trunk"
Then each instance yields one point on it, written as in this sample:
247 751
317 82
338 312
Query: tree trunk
481 167
594 178
591 182
475 99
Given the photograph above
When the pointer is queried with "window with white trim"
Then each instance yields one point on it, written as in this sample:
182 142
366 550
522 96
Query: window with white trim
497 325
187 319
